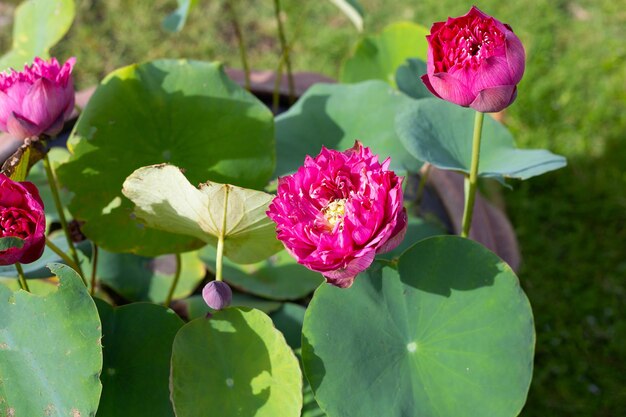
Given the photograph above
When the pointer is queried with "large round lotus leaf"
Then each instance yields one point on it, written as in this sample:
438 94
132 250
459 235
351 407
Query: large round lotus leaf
137 340
441 133
377 57
185 113
334 116
139 278
197 307
279 278
235 364
50 352
449 335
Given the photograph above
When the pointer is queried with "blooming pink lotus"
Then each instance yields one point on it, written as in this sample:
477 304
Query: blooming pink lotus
22 216
474 61
38 99
338 211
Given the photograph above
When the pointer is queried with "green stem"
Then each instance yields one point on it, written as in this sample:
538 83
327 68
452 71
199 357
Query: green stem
62 255
277 79
170 294
220 239
285 52
422 185
471 180
21 278
230 6
94 268
57 202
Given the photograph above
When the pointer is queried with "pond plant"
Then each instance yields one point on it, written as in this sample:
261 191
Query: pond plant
204 257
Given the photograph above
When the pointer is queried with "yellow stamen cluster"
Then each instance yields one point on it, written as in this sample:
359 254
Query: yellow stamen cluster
334 211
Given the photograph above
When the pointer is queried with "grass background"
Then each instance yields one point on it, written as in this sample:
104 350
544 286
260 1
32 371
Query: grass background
571 224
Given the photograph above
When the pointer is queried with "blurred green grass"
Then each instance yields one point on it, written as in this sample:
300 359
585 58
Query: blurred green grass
571 223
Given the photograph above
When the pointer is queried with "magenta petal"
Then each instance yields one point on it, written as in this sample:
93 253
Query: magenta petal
493 72
7 106
515 56
43 103
20 127
495 99
344 277
428 85
217 295
451 89
397 236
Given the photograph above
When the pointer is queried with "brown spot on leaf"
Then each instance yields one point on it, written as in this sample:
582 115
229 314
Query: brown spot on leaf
75 413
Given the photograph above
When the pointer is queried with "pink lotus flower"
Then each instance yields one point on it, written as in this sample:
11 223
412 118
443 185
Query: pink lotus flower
338 211
38 99
22 216
474 61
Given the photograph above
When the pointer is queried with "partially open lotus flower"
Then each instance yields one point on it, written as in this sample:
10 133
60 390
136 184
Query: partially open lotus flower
338 211
38 99
22 216
474 61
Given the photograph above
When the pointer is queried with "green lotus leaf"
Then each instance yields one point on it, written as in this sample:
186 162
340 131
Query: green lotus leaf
50 352
334 116
440 133
38 26
186 113
234 364
449 334
377 57
137 341
165 200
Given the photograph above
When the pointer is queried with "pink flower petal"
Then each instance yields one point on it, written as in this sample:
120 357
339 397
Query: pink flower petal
495 99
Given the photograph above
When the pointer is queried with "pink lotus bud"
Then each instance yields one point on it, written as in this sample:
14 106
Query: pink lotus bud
22 216
474 61
36 100
217 295
338 211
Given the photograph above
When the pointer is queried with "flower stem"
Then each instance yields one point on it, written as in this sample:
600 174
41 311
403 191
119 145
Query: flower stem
471 180
219 257
422 185
57 202
285 52
230 6
170 294
276 93
94 268
21 278
63 256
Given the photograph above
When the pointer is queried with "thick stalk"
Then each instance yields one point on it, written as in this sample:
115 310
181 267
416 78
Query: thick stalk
21 278
57 202
94 268
63 256
471 180
170 294
276 93
285 52
234 18
422 185
220 239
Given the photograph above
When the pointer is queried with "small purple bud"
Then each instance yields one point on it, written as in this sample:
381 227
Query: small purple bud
217 295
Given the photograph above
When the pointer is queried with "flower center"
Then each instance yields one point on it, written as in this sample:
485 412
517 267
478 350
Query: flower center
14 223
334 211
467 44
